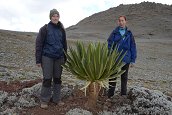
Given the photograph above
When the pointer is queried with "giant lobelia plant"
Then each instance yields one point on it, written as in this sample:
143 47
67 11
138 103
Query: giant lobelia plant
95 65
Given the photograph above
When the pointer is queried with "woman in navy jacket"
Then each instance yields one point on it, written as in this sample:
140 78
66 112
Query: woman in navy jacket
50 46
123 37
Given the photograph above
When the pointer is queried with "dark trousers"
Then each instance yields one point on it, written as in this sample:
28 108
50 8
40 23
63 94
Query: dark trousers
124 79
51 85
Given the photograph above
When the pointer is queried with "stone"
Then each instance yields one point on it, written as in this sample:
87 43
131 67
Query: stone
25 101
3 97
3 70
9 111
34 90
12 99
146 101
66 91
78 111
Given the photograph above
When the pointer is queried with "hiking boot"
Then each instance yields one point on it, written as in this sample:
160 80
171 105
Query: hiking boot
53 102
44 105
60 103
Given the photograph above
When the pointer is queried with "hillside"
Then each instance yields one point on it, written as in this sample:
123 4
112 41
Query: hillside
146 20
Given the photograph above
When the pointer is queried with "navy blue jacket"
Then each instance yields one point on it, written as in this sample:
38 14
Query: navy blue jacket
50 42
127 44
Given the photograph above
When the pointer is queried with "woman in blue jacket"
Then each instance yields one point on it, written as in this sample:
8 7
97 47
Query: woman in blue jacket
123 37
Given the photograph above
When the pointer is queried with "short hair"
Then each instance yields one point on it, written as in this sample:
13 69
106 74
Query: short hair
123 17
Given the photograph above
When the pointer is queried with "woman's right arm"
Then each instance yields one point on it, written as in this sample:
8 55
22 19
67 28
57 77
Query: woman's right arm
39 45
110 40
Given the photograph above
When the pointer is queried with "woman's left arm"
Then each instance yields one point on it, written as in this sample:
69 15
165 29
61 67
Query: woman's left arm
133 49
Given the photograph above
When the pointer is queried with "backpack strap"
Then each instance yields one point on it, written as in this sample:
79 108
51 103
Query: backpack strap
44 33
46 27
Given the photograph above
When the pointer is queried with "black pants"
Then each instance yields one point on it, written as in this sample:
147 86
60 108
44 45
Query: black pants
124 79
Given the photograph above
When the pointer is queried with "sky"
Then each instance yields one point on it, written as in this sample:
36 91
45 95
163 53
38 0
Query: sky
30 15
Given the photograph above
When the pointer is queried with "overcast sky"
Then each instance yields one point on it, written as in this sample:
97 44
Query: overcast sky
30 15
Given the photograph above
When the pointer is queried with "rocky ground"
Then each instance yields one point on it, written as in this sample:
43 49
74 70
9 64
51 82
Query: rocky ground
140 100
152 71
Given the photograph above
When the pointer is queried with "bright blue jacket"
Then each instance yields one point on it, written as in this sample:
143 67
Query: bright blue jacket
127 44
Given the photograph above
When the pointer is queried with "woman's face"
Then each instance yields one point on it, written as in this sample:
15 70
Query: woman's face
122 22
55 18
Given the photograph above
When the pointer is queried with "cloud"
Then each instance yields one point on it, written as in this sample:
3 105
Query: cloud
30 15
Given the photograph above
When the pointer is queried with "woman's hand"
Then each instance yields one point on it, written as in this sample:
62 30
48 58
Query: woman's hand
132 65
39 65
